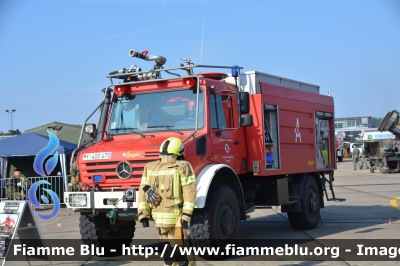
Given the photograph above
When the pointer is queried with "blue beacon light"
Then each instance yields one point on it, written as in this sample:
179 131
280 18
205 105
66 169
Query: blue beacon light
235 71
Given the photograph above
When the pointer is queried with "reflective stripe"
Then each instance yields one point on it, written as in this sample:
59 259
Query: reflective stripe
145 180
176 185
167 172
164 221
187 180
164 218
143 205
164 215
176 207
188 206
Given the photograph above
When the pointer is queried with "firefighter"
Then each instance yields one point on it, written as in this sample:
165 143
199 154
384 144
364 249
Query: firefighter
167 193
355 155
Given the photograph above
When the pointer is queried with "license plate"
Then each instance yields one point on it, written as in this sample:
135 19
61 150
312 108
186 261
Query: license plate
97 156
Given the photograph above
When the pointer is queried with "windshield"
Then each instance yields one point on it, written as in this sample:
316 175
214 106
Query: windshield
158 111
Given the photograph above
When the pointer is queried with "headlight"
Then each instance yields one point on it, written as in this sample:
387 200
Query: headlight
89 128
78 200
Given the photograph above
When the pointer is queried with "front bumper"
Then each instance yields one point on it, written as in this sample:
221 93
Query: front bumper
106 200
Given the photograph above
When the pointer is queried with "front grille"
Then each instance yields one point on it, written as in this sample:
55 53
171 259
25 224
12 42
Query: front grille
151 154
109 177
109 168
102 163
101 171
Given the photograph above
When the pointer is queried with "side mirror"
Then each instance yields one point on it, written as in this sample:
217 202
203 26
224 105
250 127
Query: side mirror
244 100
246 120
90 129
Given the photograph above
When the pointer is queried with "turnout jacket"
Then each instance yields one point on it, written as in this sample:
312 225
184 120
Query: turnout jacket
175 182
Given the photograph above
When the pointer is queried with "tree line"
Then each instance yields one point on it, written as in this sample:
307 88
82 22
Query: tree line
10 133
376 121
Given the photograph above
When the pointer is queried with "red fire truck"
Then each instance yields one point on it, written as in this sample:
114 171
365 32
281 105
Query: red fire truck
253 139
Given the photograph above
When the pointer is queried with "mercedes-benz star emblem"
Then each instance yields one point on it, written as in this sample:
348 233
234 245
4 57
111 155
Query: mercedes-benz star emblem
124 170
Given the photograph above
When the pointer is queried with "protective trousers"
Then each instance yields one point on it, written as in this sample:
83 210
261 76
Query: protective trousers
167 235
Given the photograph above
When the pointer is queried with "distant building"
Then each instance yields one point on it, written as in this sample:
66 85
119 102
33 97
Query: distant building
353 123
353 128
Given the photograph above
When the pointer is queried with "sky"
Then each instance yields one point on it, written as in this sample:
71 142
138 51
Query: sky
55 55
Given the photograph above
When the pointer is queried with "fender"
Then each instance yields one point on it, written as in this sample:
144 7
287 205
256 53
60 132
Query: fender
204 180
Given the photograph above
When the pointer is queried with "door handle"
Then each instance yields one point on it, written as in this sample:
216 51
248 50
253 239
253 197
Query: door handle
236 142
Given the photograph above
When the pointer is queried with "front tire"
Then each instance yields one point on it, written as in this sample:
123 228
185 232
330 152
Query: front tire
218 223
102 232
309 216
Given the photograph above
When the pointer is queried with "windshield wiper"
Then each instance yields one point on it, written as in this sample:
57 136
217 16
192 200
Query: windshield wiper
168 127
130 128
124 128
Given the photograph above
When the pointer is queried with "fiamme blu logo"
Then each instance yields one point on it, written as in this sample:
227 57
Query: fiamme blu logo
49 166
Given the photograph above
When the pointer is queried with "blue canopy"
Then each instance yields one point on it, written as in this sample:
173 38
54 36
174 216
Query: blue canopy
29 144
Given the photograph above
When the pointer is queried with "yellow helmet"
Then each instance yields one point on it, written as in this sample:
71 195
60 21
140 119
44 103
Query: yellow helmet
172 146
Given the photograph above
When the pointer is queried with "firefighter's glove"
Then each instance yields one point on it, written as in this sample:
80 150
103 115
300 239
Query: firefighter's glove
152 196
145 222
185 224
19 184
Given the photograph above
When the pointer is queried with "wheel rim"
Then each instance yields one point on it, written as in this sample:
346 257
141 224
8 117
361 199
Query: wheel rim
313 202
225 222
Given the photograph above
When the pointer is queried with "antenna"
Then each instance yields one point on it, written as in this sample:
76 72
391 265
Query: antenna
202 38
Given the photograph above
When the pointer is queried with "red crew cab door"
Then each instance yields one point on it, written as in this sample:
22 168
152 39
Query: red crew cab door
225 138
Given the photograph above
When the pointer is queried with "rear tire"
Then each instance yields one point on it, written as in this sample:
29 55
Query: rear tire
99 230
218 223
309 216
